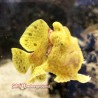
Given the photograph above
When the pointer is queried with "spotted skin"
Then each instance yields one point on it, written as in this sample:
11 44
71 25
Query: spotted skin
35 41
20 60
54 51
65 58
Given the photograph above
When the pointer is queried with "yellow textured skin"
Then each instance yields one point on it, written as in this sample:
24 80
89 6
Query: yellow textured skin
34 40
33 36
38 74
20 60
64 59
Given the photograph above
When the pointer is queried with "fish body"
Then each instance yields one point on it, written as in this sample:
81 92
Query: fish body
54 51
65 58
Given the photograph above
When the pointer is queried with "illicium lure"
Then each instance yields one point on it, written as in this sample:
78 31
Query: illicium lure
64 59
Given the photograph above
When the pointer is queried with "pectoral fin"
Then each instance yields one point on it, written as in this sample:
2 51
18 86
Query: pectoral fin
82 78
35 36
20 59
39 74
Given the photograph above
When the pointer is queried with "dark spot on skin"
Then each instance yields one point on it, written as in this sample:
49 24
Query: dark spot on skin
24 68
35 27
58 29
71 51
29 34
35 44
19 67
16 57
32 67
20 52
62 44
40 77
26 40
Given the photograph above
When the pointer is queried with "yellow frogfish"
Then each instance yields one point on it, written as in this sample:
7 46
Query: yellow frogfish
54 51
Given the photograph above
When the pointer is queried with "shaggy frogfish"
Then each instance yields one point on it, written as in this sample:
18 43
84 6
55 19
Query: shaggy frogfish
54 51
